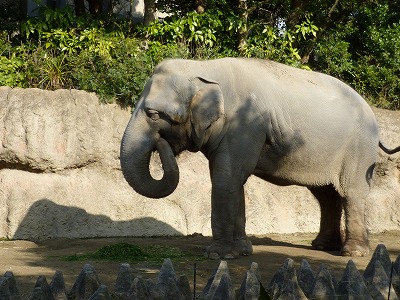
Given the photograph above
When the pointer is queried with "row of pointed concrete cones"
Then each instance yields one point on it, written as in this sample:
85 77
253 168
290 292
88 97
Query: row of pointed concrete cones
380 280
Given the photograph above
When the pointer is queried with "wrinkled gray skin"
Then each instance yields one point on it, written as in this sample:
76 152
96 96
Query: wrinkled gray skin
282 124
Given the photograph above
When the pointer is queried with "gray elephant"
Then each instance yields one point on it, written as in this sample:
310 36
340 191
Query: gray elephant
285 125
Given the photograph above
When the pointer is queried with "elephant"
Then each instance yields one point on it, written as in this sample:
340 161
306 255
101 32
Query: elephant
285 125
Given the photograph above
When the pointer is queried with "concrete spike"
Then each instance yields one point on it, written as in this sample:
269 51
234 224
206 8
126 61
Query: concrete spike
222 290
306 277
277 281
124 280
42 290
251 286
101 293
39 294
167 271
57 286
324 286
153 289
139 290
396 266
4 288
8 287
396 276
284 283
382 255
219 285
172 291
377 283
166 282
291 289
184 287
86 284
352 285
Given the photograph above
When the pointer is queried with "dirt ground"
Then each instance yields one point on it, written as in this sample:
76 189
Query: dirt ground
27 260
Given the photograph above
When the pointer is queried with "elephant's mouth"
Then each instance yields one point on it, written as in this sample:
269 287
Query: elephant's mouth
176 148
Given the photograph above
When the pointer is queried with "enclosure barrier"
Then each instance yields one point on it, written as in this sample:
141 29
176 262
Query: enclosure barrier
380 280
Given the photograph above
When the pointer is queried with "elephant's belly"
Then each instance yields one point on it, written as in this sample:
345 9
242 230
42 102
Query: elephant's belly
295 178
294 171
273 179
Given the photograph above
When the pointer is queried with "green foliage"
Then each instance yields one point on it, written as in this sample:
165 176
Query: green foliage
117 68
48 20
216 30
378 73
195 30
9 70
13 62
132 253
356 41
364 52
278 43
271 43
332 53
378 70
54 73
116 75
307 27
62 51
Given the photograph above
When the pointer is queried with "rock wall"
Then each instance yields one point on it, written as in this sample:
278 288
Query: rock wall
60 177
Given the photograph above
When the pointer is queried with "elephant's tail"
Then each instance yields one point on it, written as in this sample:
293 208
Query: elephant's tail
389 151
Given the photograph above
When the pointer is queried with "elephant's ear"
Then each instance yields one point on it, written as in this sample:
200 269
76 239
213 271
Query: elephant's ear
206 107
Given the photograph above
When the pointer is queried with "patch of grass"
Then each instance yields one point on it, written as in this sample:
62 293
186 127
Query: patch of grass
132 253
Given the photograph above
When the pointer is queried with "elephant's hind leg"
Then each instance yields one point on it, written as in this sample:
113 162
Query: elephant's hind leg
354 188
329 237
356 242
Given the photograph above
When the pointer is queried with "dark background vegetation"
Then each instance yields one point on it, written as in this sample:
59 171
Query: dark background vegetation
89 47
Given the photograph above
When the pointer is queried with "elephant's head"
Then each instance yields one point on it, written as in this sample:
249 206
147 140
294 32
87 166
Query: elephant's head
174 113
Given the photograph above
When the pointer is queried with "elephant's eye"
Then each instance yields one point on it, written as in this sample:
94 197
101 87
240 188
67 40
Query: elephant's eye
153 114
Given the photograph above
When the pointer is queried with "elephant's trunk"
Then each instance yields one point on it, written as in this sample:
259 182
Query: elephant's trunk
135 160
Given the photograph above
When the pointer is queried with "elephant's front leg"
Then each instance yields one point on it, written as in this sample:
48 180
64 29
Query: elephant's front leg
242 244
224 208
228 222
229 170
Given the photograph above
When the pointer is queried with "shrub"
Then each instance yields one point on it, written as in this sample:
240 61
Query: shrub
377 74
113 57
10 63
120 73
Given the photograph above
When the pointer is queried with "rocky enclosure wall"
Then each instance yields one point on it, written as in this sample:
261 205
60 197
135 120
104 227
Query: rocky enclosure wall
60 177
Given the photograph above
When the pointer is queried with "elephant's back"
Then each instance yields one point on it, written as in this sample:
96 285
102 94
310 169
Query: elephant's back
315 105
299 87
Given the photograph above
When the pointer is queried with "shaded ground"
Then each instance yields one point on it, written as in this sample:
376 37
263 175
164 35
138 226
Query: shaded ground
27 260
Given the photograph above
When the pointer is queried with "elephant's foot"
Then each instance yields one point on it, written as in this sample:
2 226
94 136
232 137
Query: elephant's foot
221 250
355 248
243 246
327 243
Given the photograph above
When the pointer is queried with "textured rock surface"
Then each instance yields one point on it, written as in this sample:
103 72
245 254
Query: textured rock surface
60 177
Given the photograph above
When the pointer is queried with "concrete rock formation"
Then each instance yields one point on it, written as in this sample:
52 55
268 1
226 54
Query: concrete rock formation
284 284
60 177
